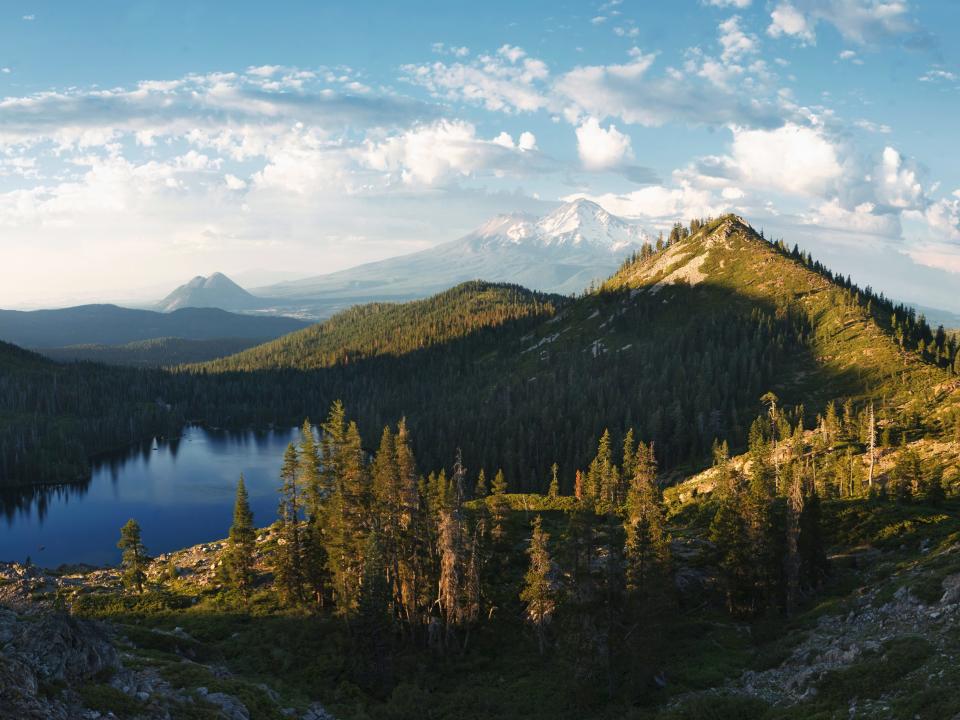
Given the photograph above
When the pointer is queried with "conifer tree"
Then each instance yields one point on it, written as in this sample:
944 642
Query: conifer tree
316 490
480 490
647 541
288 570
793 559
499 507
413 538
554 489
241 543
348 521
134 559
452 565
728 533
371 629
539 592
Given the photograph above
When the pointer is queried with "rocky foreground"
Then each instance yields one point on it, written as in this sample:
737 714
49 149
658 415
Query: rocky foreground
54 666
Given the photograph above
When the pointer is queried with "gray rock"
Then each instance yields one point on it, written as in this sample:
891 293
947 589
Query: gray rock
230 707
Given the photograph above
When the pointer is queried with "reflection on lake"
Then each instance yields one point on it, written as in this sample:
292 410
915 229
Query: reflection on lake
180 491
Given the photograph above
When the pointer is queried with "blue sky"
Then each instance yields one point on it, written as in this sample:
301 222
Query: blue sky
142 143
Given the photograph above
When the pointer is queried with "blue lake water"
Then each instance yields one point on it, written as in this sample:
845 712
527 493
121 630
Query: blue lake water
180 490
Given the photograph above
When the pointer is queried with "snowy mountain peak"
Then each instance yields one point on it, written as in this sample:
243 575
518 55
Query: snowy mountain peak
579 223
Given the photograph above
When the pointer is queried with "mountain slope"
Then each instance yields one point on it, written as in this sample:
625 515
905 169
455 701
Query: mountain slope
394 329
561 253
113 325
680 346
216 291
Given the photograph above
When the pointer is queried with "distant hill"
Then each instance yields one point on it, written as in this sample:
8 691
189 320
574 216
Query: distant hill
216 291
562 252
152 353
113 325
377 329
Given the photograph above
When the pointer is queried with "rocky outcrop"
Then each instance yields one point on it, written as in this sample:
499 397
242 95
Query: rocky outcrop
47 651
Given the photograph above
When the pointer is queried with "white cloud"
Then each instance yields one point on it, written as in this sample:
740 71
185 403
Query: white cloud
791 159
446 150
943 216
862 21
261 103
507 82
29 17
861 219
513 54
787 20
735 42
728 3
602 149
938 75
632 93
233 182
660 203
897 183
873 127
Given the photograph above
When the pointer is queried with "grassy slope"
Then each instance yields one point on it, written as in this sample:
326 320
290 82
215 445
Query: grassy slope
849 343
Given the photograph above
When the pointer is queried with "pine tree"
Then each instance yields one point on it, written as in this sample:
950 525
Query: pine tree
413 533
348 521
134 560
241 543
371 629
288 569
647 541
480 490
539 591
793 559
554 489
728 533
499 507
316 490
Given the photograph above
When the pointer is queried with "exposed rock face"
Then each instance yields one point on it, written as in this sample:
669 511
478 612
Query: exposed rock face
45 650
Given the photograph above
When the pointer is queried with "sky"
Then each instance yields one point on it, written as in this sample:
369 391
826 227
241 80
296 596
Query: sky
143 143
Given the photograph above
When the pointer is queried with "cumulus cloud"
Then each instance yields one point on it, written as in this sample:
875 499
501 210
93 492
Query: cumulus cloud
741 4
660 203
444 151
602 149
791 159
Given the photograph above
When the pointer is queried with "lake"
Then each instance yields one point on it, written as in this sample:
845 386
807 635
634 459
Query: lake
180 490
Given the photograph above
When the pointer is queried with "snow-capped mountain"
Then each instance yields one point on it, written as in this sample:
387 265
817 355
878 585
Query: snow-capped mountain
580 223
561 252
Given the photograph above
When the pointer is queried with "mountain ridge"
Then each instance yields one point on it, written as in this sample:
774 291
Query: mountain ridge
105 324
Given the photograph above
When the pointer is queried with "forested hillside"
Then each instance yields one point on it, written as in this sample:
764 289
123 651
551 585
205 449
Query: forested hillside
678 346
54 417
156 352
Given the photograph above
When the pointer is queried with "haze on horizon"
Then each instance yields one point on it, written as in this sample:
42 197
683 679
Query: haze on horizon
143 144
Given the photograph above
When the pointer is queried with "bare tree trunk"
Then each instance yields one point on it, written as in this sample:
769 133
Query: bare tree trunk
873 446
